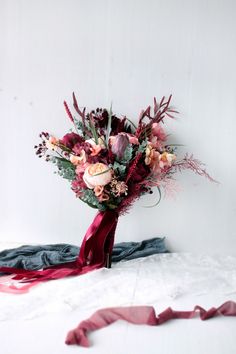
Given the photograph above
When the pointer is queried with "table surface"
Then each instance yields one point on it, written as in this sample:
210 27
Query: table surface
38 322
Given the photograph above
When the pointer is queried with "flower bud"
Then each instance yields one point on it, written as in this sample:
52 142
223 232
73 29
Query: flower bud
119 144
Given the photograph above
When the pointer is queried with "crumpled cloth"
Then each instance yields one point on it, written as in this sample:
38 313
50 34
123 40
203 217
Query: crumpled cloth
140 315
43 256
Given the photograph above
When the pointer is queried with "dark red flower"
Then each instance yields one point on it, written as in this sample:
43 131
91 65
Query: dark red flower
140 173
100 119
71 139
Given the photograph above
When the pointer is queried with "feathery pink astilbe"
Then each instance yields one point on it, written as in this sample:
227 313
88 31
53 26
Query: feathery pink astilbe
195 165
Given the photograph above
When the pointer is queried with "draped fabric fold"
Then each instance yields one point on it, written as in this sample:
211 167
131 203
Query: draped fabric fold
97 244
140 315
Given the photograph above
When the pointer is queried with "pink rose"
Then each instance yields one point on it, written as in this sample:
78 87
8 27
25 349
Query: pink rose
97 174
80 168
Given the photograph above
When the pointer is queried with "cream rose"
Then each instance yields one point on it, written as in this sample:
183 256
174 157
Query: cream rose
97 174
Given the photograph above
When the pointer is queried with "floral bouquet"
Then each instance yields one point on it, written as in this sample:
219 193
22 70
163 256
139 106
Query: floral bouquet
110 162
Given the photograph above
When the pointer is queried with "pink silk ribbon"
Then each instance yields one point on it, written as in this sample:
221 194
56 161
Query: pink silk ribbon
140 315
97 243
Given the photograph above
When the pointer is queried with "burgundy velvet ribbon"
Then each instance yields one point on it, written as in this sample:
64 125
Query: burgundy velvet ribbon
140 315
97 243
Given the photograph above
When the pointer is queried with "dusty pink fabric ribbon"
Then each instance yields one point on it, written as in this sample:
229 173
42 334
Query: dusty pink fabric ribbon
97 243
140 315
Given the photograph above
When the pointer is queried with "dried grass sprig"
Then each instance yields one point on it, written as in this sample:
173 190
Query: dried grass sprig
160 111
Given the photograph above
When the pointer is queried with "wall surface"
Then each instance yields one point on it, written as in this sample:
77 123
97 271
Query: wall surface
126 52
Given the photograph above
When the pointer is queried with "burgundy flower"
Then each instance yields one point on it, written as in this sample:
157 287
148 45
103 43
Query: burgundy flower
100 119
118 125
71 139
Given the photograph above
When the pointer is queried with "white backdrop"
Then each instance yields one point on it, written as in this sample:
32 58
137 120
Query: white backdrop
126 52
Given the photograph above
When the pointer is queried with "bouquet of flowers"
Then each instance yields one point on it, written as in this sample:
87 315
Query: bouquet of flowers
110 162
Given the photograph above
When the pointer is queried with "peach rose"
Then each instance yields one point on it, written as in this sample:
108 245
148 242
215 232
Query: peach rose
97 174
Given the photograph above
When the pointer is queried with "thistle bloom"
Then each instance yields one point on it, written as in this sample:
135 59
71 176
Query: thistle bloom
118 188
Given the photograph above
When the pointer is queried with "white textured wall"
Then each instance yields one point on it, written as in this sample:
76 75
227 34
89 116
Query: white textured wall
126 52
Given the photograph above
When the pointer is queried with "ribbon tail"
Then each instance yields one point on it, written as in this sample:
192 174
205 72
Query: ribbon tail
97 242
140 315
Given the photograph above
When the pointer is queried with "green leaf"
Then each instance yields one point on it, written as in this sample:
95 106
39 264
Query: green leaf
93 130
119 169
142 147
109 125
101 173
90 199
65 168
128 154
130 121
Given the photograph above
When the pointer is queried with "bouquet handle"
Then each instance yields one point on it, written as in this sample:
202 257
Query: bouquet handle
97 245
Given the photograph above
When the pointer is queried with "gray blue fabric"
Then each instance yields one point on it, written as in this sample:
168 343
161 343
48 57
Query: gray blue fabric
38 257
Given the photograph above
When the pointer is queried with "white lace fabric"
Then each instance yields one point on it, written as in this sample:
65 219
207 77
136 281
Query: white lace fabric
144 281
